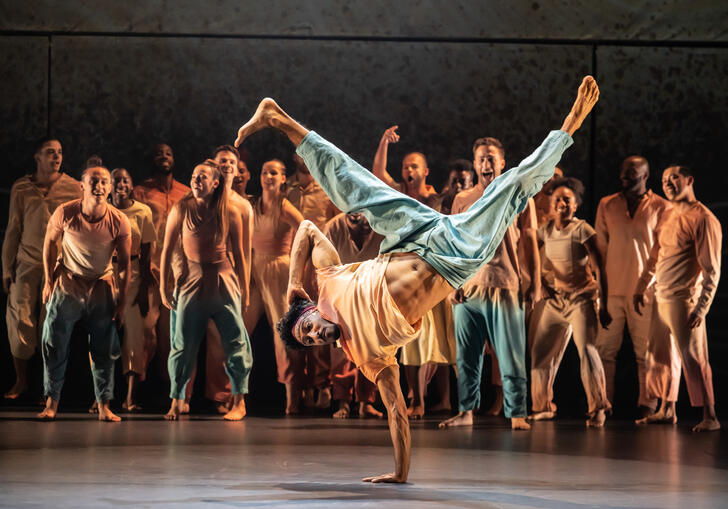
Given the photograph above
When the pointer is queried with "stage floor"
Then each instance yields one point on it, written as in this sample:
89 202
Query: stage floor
317 462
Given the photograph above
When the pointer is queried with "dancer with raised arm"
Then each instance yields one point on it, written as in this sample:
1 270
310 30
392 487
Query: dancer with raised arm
376 306
207 227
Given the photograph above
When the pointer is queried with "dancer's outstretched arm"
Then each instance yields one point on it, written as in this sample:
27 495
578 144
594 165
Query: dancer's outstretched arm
309 244
586 97
389 389
379 166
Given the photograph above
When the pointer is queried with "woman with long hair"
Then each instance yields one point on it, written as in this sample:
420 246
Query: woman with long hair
209 287
276 221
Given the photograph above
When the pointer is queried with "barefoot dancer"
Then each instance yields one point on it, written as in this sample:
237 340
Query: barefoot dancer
33 199
376 306
207 228
217 383
138 344
570 307
276 221
354 241
490 307
80 286
685 262
626 227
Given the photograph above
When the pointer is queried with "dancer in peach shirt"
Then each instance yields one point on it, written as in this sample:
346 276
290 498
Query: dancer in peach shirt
276 221
207 229
626 227
33 198
80 286
376 306
685 263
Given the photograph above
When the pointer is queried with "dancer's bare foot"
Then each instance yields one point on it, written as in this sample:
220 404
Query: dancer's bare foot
542 416
416 412
269 114
461 419
644 411
237 411
131 407
710 424
368 410
222 408
185 408
343 411
497 406
323 400
596 420
50 410
387 478
94 408
175 410
16 390
519 423
586 97
105 413
662 416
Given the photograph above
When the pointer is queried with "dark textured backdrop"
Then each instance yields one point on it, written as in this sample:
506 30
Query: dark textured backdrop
112 78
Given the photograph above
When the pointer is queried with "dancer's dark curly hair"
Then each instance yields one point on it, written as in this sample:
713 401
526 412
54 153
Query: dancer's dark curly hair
285 324
570 182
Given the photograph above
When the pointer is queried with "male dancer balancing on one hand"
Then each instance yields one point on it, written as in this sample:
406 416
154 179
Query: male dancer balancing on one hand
376 306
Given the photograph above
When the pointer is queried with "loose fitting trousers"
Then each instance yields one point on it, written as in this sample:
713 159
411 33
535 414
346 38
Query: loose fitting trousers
498 316
139 343
210 292
563 316
268 294
24 313
455 246
609 341
63 310
682 344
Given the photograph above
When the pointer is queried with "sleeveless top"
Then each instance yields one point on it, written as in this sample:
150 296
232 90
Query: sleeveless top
271 235
198 238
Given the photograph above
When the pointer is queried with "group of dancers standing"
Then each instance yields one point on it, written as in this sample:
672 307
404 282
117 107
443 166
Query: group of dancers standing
166 266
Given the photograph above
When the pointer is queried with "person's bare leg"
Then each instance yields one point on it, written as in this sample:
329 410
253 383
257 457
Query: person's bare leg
586 97
237 412
185 408
596 420
105 413
94 408
132 379
461 419
519 423
309 398
442 382
665 415
293 399
710 420
367 410
414 375
50 410
343 411
269 114
21 379
175 409
323 400
497 406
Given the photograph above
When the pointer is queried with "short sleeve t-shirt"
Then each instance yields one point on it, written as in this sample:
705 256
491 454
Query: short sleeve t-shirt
141 224
565 253
87 247
356 298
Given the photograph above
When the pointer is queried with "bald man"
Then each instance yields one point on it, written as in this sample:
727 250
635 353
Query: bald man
80 286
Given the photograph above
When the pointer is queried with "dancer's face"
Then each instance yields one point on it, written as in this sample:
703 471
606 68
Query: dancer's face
240 182
121 185
488 163
358 223
163 158
315 331
460 181
633 173
414 170
563 203
50 157
228 163
96 185
203 181
272 176
675 185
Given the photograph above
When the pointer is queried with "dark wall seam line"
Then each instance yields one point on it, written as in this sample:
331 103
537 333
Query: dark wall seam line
358 38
